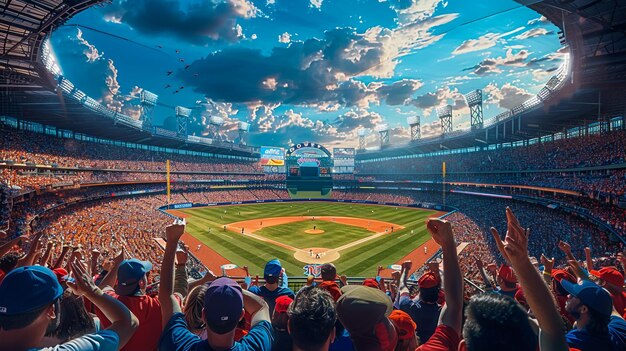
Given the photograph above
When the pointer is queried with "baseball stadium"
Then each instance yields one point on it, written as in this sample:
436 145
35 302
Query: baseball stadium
312 175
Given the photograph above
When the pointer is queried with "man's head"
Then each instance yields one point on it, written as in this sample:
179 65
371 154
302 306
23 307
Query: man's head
272 271
506 278
328 272
29 299
9 261
590 304
497 322
363 311
405 326
557 276
131 277
609 275
223 306
312 318
429 284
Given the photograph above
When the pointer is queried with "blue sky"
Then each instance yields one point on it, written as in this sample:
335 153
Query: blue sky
309 70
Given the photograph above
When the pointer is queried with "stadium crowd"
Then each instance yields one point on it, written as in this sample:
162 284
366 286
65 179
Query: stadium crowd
88 300
586 151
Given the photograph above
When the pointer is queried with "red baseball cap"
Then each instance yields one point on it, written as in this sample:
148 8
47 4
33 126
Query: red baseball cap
506 273
371 282
405 326
429 280
560 274
610 275
61 274
282 304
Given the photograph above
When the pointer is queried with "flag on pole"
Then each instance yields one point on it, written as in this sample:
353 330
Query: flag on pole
167 172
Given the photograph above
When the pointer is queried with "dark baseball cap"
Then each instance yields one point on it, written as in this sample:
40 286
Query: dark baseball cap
27 289
129 274
223 305
364 311
590 294
272 268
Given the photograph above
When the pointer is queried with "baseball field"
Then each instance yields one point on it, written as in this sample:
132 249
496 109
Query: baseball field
357 238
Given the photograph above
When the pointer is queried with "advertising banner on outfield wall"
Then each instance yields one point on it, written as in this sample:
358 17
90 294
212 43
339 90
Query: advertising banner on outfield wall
272 156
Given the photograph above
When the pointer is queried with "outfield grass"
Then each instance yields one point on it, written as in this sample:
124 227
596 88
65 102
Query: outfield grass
335 235
360 260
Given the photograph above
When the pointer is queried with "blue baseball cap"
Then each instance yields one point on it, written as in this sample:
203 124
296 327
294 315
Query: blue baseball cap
272 268
129 274
27 289
223 305
590 294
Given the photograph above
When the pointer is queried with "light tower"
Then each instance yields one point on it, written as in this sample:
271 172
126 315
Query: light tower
414 123
148 102
182 116
361 132
445 116
383 132
243 128
215 123
475 102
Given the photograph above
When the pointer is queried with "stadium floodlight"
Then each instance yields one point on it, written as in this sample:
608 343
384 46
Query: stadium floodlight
245 126
475 102
414 124
362 132
148 98
383 132
216 120
148 102
445 116
182 111
411 120
182 116
382 128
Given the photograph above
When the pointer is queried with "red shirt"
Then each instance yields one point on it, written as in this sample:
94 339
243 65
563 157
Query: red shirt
444 339
619 301
332 288
147 309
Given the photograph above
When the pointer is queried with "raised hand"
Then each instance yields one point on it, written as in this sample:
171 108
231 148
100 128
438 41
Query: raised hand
565 247
174 231
182 256
548 264
117 260
441 231
83 285
433 266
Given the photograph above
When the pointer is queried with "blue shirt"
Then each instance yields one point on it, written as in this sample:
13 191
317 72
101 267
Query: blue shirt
106 340
615 341
176 337
425 315
271 296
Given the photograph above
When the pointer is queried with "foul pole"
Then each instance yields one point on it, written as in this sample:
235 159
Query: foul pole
443 171
167 178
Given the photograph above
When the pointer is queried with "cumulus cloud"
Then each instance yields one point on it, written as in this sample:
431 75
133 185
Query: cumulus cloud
483 42
284 38
315 72
399 93
532 33
316 4
90 70
507 96
441 97
537 21
494 65
197 23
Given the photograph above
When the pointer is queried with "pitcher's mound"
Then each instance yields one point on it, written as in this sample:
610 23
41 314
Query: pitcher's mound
314 231
316 255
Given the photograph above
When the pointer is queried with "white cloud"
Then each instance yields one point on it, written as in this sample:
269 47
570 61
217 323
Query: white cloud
483 42
539 20
316 4
493 65
507 97
253 36
535 32
284 38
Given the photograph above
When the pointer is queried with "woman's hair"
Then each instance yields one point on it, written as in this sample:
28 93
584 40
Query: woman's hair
75 321
194 303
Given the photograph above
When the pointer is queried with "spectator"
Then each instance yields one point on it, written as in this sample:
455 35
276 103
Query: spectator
328 273
131 291
407 340
225 304
270 291
424 309
29 306
282 339
312 318
613 281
